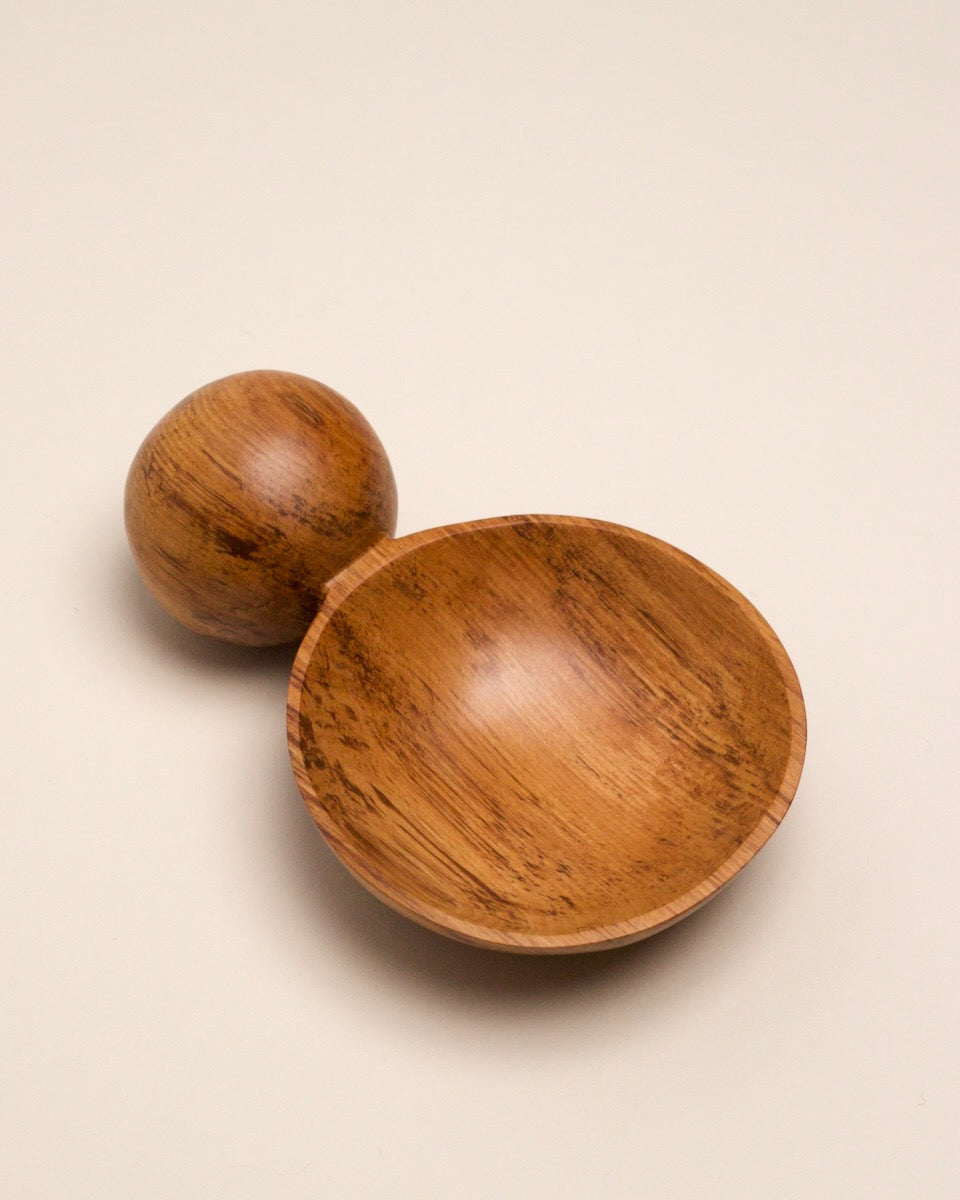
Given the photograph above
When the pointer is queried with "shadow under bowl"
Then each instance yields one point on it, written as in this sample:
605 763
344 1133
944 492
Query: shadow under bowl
542 734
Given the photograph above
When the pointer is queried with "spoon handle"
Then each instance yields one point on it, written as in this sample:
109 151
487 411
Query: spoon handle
248 497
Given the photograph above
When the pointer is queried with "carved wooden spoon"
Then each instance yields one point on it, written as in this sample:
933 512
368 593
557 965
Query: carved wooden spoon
533 733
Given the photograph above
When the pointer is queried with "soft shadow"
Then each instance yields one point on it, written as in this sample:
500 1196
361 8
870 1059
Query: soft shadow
340 908
341 911
140 616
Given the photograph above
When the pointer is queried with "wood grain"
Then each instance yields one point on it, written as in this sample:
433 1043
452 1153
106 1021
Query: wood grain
248 497
542 734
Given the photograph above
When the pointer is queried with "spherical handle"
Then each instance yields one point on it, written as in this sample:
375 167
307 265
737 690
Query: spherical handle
248 497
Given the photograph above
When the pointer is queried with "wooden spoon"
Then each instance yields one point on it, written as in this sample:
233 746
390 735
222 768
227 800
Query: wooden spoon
537 734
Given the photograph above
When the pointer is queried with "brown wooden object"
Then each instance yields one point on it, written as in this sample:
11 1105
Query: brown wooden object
248 497
538 734
542 734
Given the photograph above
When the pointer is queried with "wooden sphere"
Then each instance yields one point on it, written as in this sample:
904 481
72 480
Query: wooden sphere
248 497
543 734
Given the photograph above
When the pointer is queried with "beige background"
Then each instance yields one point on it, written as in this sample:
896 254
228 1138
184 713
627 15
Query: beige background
691 267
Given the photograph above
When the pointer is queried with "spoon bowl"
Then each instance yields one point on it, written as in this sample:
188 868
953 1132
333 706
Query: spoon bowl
542 734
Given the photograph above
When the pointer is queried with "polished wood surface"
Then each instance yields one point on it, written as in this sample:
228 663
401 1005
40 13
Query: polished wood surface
248 497
542 734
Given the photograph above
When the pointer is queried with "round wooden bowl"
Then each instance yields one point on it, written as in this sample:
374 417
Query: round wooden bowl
542 734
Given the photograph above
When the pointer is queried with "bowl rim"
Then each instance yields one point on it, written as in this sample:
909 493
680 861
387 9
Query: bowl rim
603 936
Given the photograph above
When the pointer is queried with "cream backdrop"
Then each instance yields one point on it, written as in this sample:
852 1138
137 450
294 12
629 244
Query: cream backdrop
690 267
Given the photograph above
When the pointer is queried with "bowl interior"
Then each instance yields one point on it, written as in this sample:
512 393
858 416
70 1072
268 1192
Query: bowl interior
543 733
